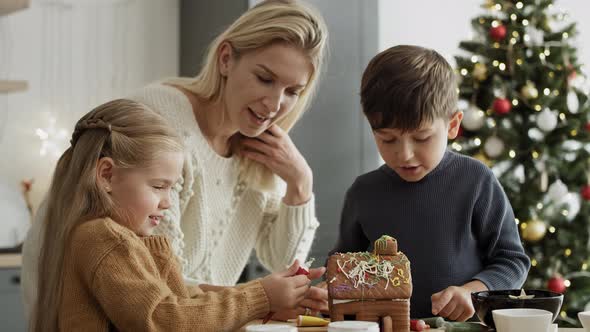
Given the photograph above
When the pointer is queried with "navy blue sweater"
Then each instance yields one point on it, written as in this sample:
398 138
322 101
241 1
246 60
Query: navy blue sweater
455 225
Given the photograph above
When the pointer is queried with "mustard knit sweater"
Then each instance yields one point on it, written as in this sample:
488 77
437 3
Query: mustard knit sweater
114 279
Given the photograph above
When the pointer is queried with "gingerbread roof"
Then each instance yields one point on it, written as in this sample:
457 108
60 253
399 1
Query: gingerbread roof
383 274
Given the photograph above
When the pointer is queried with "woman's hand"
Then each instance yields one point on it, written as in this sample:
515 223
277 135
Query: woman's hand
274 149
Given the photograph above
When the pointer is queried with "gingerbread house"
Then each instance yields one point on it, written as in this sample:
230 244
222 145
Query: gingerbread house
373 286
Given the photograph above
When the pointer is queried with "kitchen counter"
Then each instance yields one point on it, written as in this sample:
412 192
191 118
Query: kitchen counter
10 261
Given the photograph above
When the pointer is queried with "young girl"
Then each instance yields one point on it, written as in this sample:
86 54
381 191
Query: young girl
100 269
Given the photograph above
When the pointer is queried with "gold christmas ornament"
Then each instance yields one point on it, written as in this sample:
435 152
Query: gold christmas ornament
480 71
529 91
533 230
484 159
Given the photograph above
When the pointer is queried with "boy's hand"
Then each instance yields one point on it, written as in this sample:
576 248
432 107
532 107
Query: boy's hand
453 303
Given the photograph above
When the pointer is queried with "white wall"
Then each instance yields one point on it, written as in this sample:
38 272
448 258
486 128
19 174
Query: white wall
75 54
441 25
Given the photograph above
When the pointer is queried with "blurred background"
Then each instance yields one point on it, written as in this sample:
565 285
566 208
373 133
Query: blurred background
60 58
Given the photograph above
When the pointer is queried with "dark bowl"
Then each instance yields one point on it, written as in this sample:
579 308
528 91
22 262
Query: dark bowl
486 301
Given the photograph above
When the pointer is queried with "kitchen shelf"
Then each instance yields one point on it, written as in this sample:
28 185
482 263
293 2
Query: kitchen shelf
11 6
12 86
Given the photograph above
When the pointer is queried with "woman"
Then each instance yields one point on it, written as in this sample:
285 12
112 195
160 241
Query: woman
244 184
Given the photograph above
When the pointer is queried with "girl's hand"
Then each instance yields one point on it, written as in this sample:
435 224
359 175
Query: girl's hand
455 303
284 289
274 149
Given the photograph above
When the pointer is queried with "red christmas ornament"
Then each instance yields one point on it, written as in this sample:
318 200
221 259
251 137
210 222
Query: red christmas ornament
502 106
498 33
587 126
556 284
585 192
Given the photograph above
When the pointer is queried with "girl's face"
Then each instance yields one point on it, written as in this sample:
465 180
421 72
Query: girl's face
262 85
143 194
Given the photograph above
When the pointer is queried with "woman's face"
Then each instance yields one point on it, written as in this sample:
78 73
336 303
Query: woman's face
262 85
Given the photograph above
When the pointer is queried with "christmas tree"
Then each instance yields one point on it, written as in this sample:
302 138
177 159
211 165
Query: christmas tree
526 115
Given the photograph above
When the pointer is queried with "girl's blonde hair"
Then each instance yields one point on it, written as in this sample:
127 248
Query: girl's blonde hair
123 130
270 22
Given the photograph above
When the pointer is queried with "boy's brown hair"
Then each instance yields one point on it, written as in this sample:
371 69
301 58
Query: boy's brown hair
406 86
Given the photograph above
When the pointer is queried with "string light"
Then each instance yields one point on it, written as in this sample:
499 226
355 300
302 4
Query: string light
464 71
482 21
457 146
512 154
542 56
525 22
526 38
565 35
551 74
584 267
556 92
519 62
495 63
535 154
515 102
552 229
567 252
567 283
547 52
565 213
517 221
502 66
546 91
533 262
498 6
474 59
523 226
538 108
539 206
519 5
496 45
477 141
574 132
562 116
512 41
495 23
513 17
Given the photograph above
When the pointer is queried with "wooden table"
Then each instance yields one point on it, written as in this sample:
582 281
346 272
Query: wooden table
325 328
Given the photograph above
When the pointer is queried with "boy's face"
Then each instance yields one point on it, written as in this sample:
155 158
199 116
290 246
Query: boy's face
414 154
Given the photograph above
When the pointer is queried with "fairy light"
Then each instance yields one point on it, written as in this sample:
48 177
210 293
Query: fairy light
513 17
565 213
519 62
567 252
546 91
533 262
563 314
482 21
492 123
512 154
556 92
512 41
519 5
496 45
539 206
526 38
551 229
502 66
542 56
525 22
567 283
474 59
562 116
477 141
538 108
515 102
523 226
574 132
456 146
517 221
547 52
584 267
535 154
464 71
565 35
498 6
495 63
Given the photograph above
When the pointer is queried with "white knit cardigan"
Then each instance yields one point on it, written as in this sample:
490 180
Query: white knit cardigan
211 251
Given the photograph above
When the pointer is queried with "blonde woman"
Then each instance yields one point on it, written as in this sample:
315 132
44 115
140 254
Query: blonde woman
244 184
101 267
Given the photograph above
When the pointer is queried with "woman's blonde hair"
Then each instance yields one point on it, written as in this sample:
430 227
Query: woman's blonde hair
123 130
288 22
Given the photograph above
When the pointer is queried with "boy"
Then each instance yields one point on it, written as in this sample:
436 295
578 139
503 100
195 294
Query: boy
447 211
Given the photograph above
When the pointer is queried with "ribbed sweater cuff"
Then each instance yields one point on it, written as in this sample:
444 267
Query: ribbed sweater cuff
256 298
300 215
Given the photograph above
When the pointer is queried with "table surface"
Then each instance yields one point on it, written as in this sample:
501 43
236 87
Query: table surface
325 328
